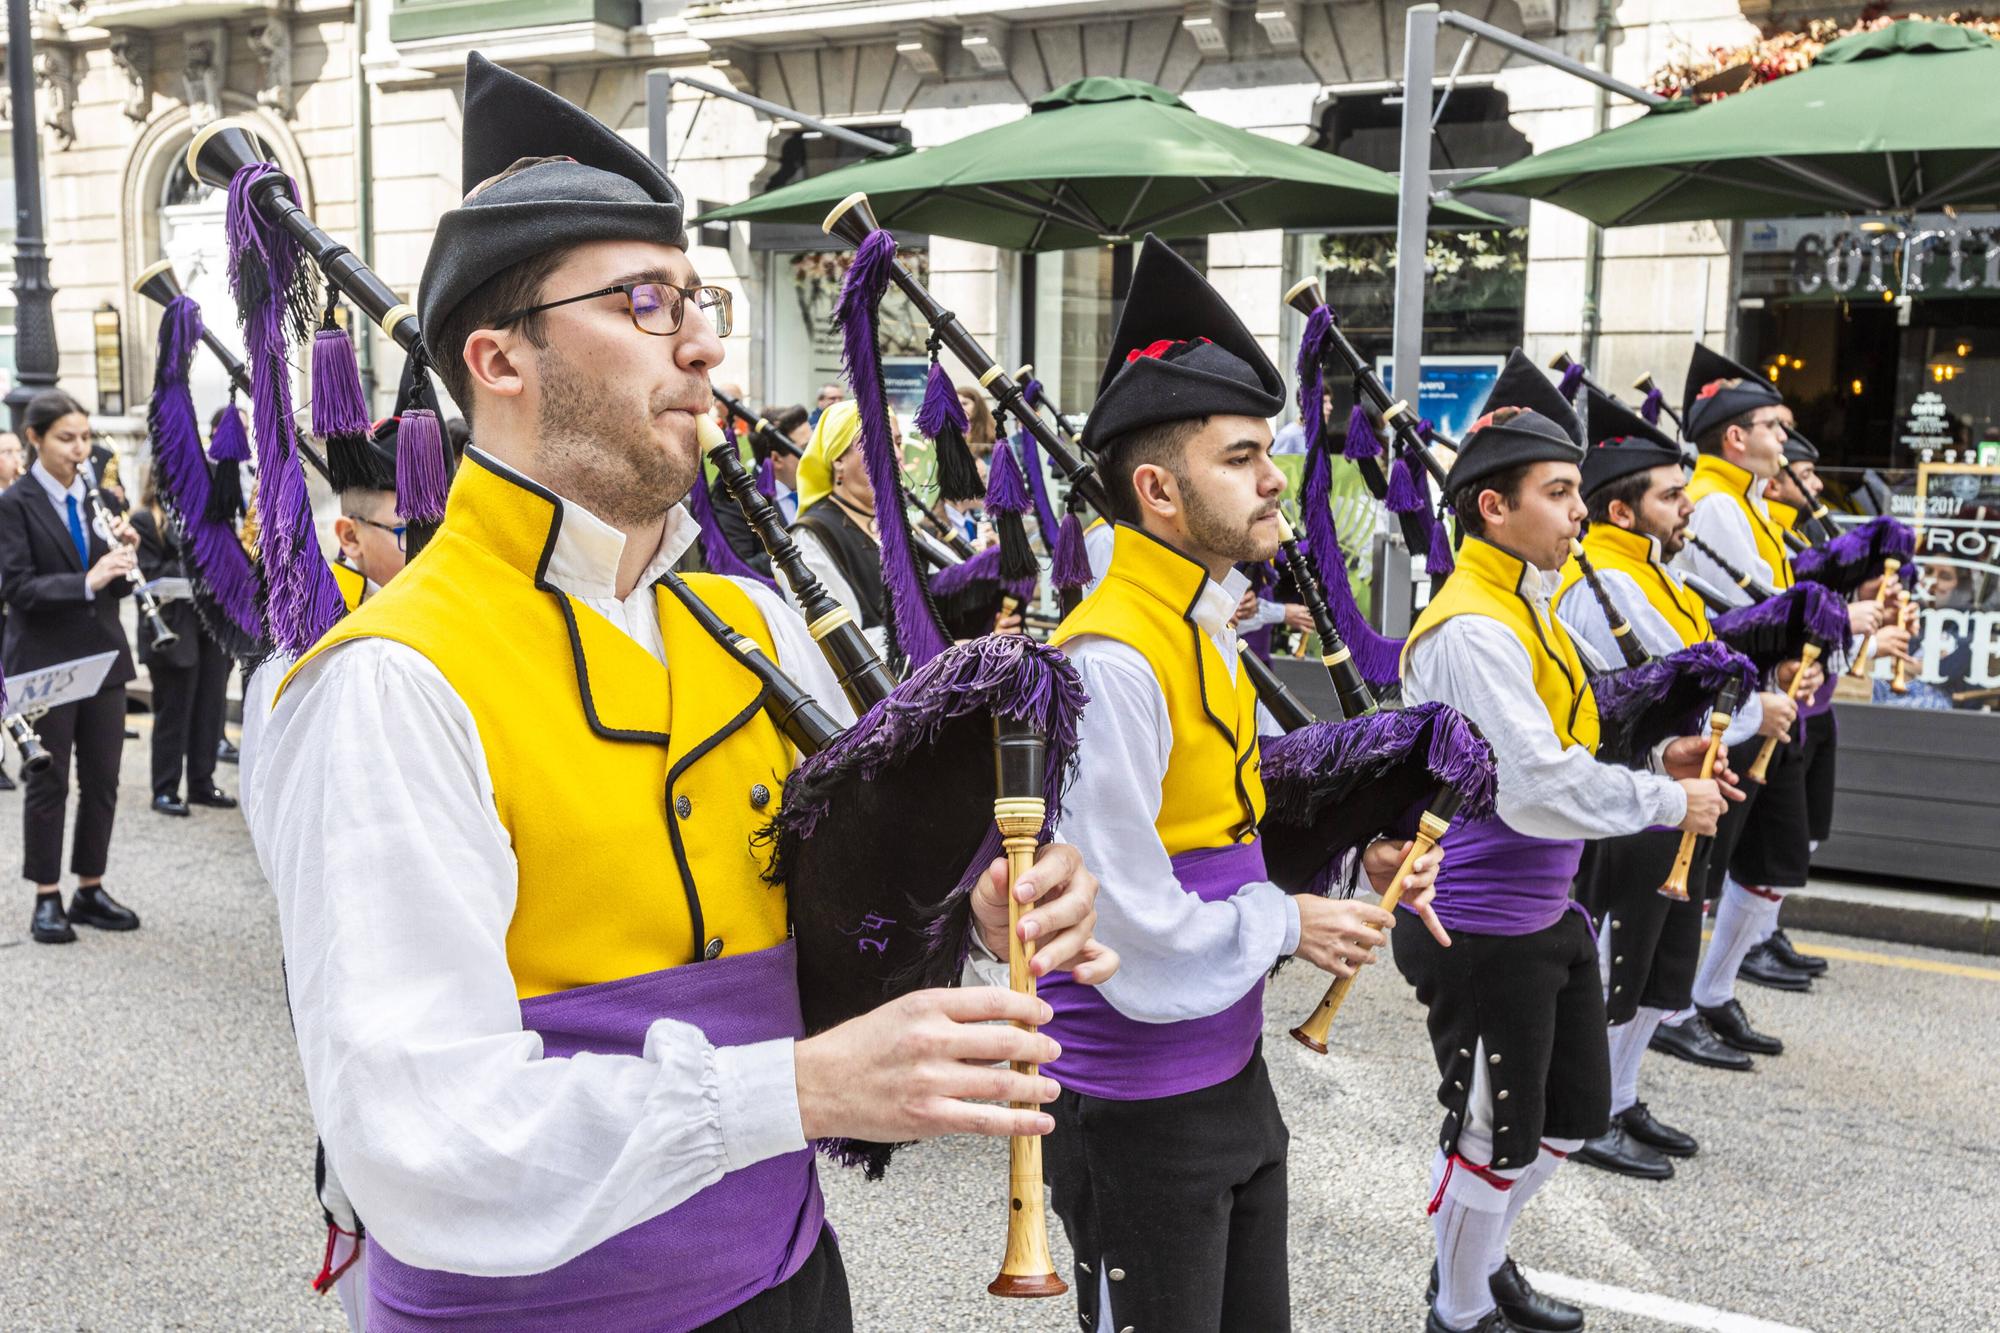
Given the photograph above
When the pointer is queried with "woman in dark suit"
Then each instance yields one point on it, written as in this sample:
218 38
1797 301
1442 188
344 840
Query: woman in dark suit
190 674
62 581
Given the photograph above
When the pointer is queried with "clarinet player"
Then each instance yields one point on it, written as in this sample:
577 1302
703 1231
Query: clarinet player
62 579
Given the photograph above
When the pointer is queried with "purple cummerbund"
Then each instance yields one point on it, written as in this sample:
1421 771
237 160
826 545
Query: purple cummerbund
1105 1054
1495 881
693 1263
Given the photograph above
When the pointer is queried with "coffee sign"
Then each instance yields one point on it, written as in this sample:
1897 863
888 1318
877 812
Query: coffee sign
1954 258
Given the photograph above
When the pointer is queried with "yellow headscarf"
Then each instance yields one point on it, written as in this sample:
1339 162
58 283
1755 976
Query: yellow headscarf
836 430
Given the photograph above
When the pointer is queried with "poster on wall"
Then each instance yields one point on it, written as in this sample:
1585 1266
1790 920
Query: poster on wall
1452 389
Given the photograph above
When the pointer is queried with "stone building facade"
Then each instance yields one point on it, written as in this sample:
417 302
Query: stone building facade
123 84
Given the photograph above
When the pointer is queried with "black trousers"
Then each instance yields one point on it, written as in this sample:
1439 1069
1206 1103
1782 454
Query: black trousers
95 731
812 1300
188 708
1180 1202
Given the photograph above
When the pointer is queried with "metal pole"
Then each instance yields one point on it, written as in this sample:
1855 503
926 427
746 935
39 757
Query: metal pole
1536 51
1413 209
1593 238
364 191
35 354
777 111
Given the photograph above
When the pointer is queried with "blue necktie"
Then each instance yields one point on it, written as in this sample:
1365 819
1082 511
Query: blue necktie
76 532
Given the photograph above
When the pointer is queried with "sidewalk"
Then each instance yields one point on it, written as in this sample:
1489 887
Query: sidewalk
1966 921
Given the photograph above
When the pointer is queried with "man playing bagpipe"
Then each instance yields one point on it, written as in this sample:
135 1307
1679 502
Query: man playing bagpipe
1167 1165
1635 488
546 1006
1740 423
1517 1017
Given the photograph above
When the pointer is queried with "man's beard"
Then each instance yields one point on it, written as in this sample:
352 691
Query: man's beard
1213 533
598 449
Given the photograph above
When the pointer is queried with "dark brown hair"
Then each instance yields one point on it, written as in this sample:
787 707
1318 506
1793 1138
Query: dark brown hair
1163 444
1465 502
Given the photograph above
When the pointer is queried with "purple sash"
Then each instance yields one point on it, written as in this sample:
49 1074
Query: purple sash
1821 700
693 1263
1105 1054
1495 881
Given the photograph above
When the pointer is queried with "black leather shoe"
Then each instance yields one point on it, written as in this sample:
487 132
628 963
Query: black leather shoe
1640 1124
1732 1025
1695 1042
50 924
1494 1322
1618 1152
1526 1308
94 907
1761 968
165 803
1780 945
213 796
225 753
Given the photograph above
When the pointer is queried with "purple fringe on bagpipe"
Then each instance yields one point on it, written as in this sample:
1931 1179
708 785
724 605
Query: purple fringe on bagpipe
230 441
1378 656
1649 408
1304 769
1438 559
1069 567
1406 494
219 560
1775 629
1030 451
941 407
338 405
916 627
1362 441
1572 381
1641 706
954 579
1312 377
423 480
1856 555
716 552
273 299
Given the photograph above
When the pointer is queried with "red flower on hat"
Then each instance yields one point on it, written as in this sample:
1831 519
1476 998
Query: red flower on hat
1154 351
1714 387
1497 416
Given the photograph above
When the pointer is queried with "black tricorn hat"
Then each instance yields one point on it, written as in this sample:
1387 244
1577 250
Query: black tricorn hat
1798 449
1526 420
1718 389
1179 352
605 190
1621 443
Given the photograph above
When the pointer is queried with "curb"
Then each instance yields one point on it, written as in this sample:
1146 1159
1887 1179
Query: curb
1974 932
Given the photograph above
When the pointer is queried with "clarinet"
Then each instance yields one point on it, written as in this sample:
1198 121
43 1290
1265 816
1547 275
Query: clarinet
863 677
22 732
1356 699
142 597
1629 647
805 724
1748 582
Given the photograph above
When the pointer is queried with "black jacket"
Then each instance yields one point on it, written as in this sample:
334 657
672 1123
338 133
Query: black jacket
161 557
50 616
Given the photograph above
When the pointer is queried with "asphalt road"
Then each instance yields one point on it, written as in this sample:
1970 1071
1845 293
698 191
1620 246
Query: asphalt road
155 1167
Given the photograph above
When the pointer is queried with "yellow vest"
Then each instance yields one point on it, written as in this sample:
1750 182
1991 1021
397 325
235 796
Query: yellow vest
1612 547
630 805
1719 476
1487 582
353 587
1146 601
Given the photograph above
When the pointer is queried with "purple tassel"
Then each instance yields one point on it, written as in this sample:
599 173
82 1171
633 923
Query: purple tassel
229 449
302 600
339 410
914 621
716 552
767 478
1312 375
1362 441
219 564
941 420
1038 486
1641 706
1572 381
1649 409
1378 656
231 441
423 480
1006 504
1406 495
1439 562
1070 563
1856 555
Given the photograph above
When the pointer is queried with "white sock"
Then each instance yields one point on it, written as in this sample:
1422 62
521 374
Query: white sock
1742 920
1469 1218
1535 1175
1628 1046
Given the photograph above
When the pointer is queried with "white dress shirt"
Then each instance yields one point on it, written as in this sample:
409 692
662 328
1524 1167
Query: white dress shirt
1585 618
60 496
1180 957
1546 790
1719 521
374 817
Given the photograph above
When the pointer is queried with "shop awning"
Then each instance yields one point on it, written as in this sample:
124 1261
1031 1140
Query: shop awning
1895 120
1098 161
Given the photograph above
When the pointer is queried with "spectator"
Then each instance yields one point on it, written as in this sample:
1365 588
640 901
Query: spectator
829 393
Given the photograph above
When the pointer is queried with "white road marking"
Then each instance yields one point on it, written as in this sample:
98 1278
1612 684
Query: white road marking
1684 1314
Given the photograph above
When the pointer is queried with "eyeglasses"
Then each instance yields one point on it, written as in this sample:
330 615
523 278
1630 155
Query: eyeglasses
657 308
395 530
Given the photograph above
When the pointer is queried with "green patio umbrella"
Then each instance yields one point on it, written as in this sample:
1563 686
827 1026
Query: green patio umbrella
1895 120
1099 161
